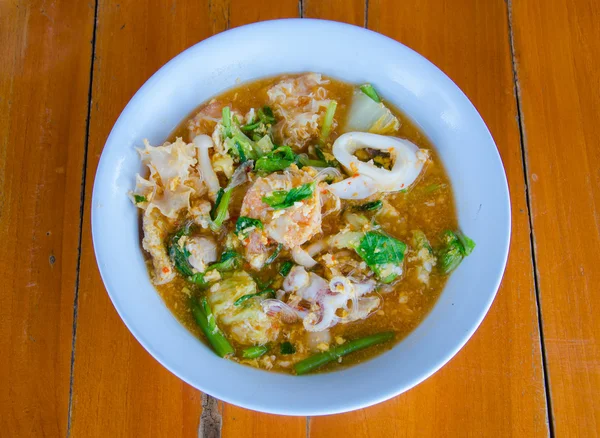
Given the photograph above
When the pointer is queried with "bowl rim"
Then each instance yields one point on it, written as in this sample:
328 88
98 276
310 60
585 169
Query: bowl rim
344 405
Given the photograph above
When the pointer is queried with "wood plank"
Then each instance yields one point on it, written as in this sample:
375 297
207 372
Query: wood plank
238 422
494 386
348 11
119 389
557 47
249 11
44 82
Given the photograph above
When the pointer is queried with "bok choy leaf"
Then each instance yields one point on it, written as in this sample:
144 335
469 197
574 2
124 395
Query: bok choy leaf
280 199
367 115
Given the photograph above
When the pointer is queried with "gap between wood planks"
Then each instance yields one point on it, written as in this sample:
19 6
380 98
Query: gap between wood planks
211 418
81 214
517 93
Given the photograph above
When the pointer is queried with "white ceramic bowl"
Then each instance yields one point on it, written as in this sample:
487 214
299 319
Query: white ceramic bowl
356 55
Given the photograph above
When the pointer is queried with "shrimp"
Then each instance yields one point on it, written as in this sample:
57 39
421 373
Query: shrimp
291 226
205 120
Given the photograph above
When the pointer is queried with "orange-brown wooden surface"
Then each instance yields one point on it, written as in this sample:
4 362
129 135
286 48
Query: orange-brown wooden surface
45 54
494 387
485 390
557 46
119 389
348 11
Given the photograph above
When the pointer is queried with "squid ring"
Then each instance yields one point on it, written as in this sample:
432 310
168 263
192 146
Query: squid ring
367 178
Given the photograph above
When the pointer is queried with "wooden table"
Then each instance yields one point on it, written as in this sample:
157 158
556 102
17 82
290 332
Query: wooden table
68 365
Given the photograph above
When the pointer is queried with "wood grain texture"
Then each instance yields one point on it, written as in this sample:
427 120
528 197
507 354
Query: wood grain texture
45 55
557 47
494 386
249 11
239 422
119 389
348 11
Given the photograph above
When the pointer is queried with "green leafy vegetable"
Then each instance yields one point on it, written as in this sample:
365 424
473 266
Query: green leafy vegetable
260 129
213 210
383 254
320 154
282 157
242 147
265 115
221 208
267 292
369 206
285 268
139 198
455 247
178 253
250 126
366 115
287 348
198 278
179 256
254 352
245 224
280 199
229 261
240 152
226 116
239 144
279 159
331 162
370 91
276 197
206 320
334 353
273 256
303 161
451 254
328 120
467 243
263 284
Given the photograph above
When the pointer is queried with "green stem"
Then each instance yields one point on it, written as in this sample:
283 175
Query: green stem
369 90
243 298
226 120
369 206
206 320
254 352
318 360
305 161
221 210
273 256
328 120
